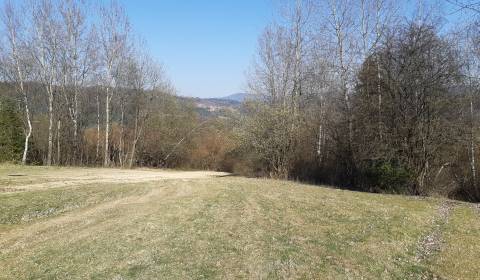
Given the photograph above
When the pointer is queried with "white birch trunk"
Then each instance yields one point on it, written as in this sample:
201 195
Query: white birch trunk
106 159
58 142
29 128
50 127
472 144
136 136
98 129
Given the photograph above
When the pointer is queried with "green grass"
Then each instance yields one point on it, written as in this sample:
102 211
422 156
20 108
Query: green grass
226 228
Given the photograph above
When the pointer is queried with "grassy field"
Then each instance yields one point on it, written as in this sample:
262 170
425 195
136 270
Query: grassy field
66 223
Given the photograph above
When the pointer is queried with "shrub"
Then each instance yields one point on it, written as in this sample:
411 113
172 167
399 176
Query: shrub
11 134
386 177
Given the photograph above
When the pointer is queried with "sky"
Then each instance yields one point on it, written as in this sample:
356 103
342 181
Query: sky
205 45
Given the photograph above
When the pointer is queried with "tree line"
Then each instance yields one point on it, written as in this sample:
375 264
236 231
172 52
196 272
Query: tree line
362 95
84 82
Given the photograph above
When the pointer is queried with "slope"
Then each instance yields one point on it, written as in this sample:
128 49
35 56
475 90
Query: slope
226 227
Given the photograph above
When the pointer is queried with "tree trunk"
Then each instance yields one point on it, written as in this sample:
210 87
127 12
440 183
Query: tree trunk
132 156
134 144
106 160
122 136
320 140
472 144
29 129
50 126
75 140
98 129
58 141
27 116
378 34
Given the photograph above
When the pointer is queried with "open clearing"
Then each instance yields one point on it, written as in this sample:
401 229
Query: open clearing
36 178
78 223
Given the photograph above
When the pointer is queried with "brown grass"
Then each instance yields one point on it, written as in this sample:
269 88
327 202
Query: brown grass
224 228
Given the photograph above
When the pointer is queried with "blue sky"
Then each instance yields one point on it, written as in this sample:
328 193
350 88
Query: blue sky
205 45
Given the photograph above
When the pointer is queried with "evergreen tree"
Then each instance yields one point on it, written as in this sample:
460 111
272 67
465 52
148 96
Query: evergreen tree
11 135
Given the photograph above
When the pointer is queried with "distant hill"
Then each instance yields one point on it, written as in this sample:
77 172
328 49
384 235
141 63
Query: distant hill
218 106
211 107
239 97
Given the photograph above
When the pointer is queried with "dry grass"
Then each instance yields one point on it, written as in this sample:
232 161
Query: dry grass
460 257
14 179
223 228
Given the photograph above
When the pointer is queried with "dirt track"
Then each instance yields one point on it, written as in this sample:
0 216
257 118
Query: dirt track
63 177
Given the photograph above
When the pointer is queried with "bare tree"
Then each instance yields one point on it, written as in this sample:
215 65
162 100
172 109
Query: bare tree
45 51
344 27
77 56
114 38
466 5
143 77
282 75
470 49
376 17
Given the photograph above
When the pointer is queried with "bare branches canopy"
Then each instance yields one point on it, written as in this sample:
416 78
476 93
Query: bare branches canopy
59 58
355 93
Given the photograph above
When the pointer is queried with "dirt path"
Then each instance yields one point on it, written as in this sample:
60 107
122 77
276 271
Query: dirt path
432 242
77 222
56 178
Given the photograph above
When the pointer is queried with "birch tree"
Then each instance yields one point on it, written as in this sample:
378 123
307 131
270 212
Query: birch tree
77 56
470 49
45 46
114 41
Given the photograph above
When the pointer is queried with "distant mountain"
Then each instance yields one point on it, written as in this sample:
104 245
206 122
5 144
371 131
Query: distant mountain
238 97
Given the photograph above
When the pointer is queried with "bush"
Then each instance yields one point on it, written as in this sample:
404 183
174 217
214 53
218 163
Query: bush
11 134
385 177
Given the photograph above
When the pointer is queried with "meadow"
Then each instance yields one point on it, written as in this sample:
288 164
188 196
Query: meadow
82 223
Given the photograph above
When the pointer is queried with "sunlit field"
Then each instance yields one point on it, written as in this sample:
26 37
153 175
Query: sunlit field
79 223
